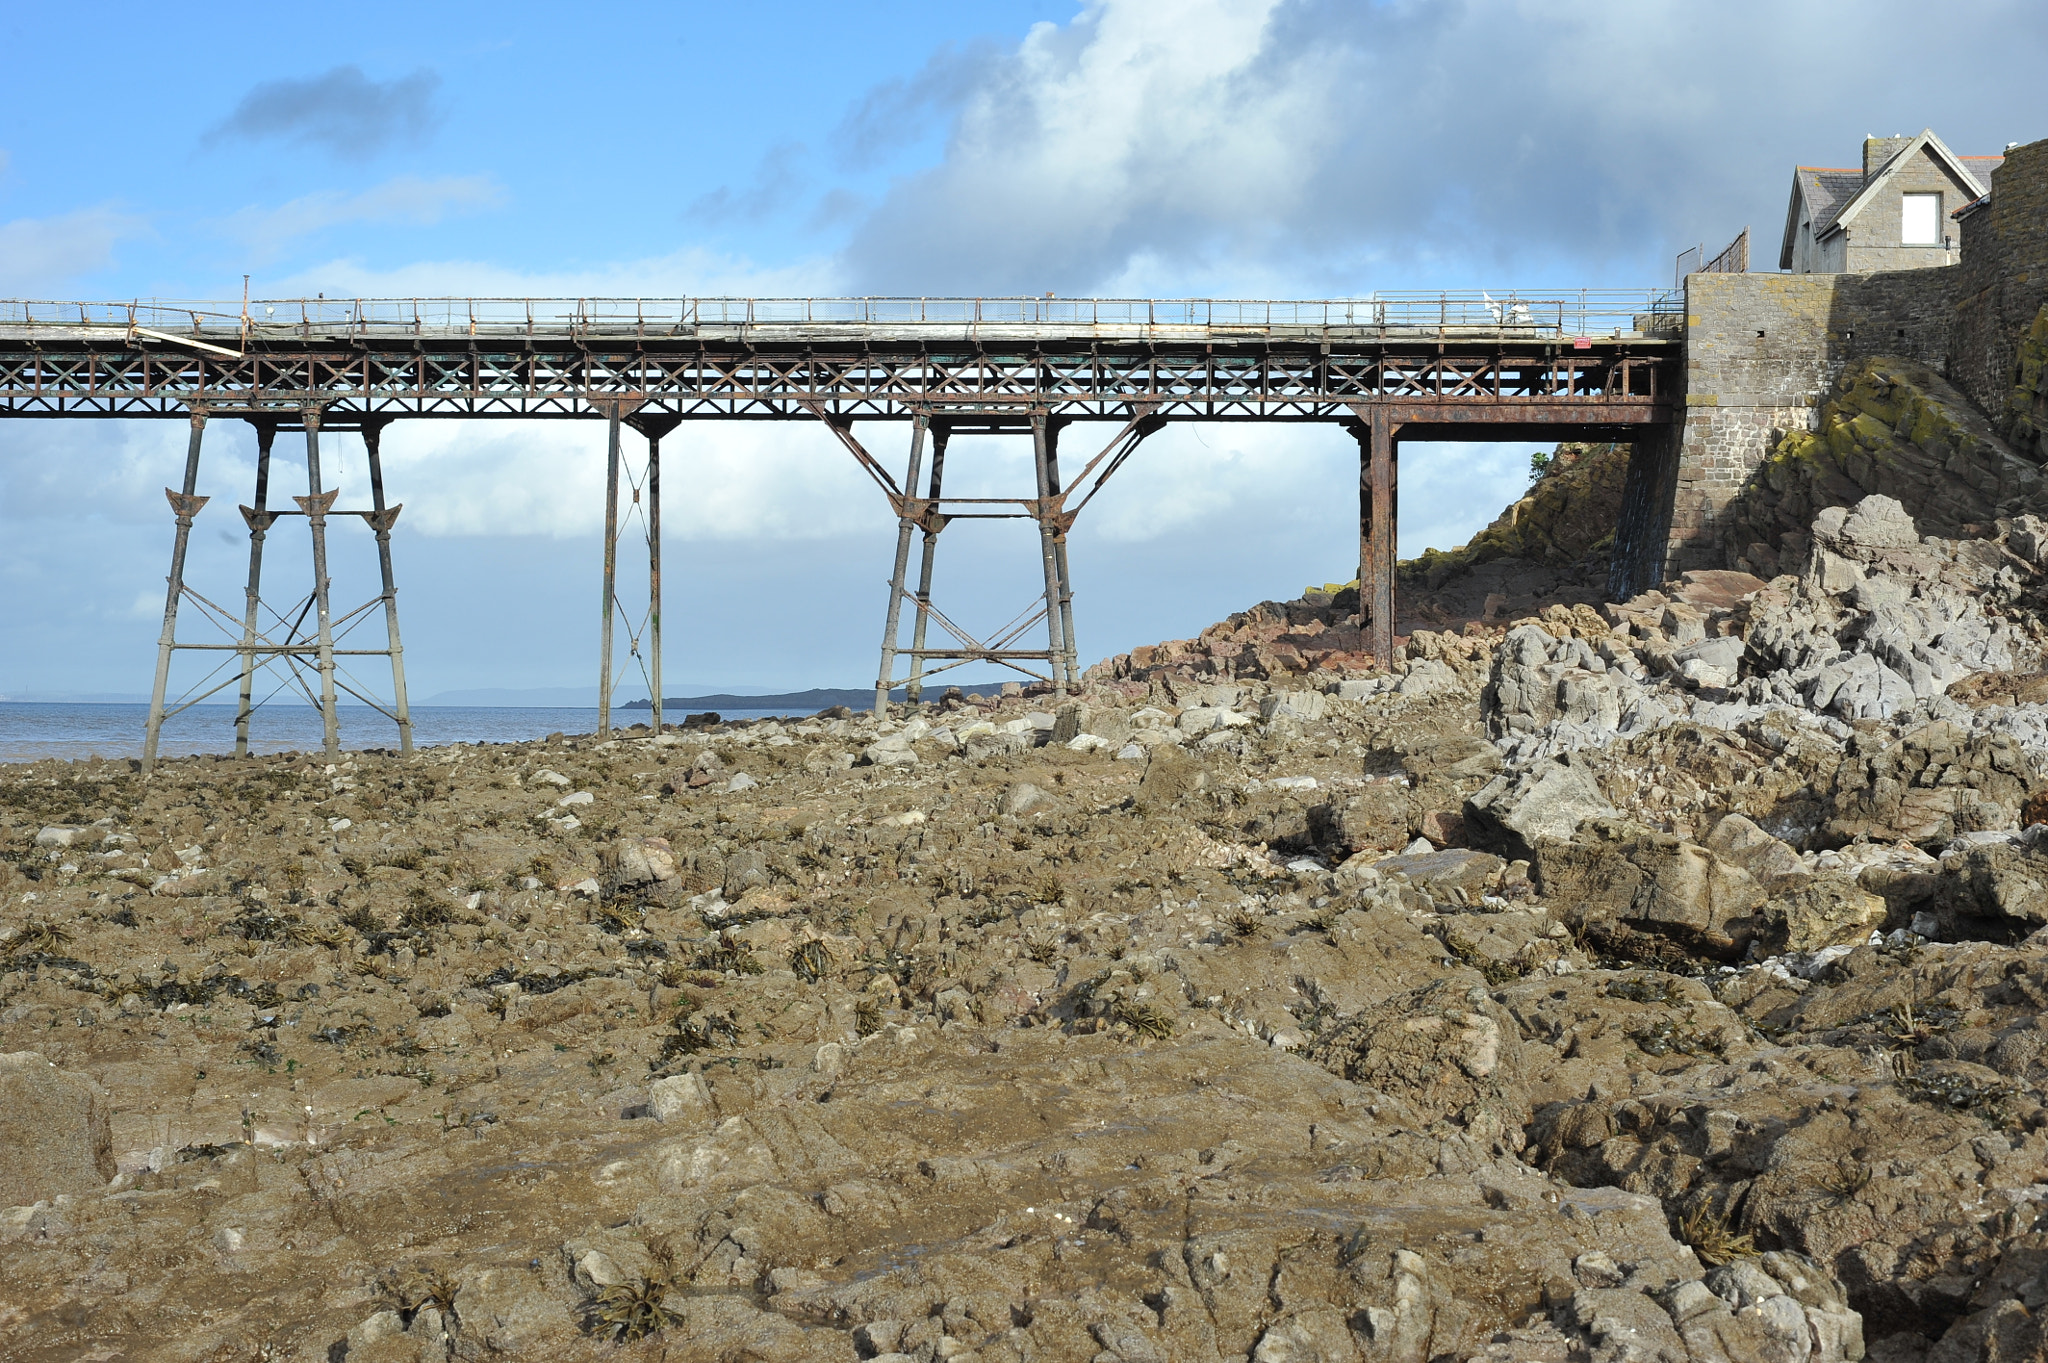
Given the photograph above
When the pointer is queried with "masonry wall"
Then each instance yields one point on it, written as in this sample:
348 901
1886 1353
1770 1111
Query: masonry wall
2003 280
1756 363
1763 350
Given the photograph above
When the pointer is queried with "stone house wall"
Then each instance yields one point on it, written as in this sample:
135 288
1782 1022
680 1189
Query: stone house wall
1874 235
1762 350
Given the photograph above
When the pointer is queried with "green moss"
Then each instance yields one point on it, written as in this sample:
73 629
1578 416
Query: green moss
2026 411
1568 512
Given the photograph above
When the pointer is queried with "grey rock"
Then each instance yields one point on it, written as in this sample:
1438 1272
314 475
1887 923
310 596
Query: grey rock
1548 800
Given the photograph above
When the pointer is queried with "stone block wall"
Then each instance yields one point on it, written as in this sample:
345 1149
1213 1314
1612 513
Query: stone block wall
1757 362
1763 350
2003 280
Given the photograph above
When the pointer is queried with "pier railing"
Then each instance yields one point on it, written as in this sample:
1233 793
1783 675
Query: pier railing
1562 313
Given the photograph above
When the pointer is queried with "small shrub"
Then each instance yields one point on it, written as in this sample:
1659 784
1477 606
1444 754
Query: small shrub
810 960
1144 1019
1712 1238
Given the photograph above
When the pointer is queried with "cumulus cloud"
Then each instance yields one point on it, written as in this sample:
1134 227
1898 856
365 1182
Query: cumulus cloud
692 272
898 112
341 110
722 481
40 256
1314 145
406 200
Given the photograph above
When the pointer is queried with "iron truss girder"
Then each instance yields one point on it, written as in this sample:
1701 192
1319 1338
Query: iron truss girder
1606 382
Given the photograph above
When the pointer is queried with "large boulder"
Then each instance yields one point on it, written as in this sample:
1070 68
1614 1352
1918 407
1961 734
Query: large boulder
1548 799
1447 1051
642 865
1621 875
1991 892
1934 783
55 1132
1382 815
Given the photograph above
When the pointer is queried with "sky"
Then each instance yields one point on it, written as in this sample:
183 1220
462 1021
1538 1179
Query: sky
1130 148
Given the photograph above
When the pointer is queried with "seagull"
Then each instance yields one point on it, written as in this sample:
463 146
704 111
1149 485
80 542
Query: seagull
1492 308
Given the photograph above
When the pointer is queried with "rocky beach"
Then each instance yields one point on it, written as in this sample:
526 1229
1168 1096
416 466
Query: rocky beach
1643 980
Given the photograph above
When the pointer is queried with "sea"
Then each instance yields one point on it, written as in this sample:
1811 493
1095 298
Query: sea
31 730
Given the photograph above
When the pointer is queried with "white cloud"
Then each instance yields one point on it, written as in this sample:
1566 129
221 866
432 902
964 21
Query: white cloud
685 273
1305 146
39 257
406 200
721 481
1136 124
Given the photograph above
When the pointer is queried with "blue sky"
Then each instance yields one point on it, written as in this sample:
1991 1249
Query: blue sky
1264 148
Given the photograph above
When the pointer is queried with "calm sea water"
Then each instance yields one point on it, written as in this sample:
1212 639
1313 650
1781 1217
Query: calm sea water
29 731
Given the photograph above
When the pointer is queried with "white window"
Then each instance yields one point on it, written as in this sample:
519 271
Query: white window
1920 220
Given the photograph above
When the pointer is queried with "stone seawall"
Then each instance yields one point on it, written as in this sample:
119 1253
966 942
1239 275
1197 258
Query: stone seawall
1763 351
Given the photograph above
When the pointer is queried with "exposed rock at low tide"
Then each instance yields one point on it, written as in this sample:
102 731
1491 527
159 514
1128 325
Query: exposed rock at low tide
1658 981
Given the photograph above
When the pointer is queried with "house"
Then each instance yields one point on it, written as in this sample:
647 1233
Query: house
1893 214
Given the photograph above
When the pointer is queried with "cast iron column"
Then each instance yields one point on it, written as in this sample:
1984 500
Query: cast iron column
654 570
260 520
1376 530
185 505
381 521
904 525
316 505
933 524
1059 550
611 568
1042 437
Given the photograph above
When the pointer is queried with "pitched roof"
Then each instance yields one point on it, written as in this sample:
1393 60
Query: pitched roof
1824 189
1832 194
1869 190
1828 191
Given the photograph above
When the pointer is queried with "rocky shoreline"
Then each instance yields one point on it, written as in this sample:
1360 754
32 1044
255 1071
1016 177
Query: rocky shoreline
1650 981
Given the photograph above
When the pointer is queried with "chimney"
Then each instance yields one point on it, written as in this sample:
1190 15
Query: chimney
1878 150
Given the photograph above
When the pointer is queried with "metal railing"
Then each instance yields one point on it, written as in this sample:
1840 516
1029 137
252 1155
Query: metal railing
1573 312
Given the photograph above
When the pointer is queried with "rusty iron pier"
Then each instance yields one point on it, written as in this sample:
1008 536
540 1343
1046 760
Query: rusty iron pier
1478 366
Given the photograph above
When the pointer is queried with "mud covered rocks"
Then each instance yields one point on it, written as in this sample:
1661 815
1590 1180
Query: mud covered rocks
55 1133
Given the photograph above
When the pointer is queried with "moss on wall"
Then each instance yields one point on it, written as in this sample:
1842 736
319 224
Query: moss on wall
2026 412
1892 426
1569 511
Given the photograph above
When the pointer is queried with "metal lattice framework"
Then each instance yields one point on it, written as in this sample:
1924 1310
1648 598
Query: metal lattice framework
1465 366
779 359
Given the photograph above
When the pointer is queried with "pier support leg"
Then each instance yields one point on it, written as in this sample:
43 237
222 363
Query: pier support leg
611 569
904 525
185 505
1044 435
1059 552
933 524
260 519
381 520
654 572
1377 490
316 504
